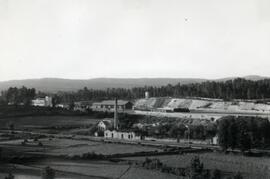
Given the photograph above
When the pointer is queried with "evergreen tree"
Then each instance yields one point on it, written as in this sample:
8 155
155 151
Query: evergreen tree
48 173
196 169
216 174
238 176
223 134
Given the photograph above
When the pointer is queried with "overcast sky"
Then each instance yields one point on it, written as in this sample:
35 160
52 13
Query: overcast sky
134 38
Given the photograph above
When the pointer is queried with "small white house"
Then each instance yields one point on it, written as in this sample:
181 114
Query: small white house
104 125
121 135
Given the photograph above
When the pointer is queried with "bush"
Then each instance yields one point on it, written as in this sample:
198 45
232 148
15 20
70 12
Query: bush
196 168
238 176
216 174
48 173
10 176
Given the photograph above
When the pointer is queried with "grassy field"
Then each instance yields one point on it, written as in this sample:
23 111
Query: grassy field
104 169
84 170
34 172
33 122
251 167
138 173
71 147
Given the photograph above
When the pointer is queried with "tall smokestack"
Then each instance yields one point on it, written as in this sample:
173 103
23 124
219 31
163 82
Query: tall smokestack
115 123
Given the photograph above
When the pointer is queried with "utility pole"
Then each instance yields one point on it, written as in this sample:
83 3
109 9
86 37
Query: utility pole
188 133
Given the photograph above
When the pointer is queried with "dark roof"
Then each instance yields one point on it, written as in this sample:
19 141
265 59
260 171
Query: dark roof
83 102
112 102
107 123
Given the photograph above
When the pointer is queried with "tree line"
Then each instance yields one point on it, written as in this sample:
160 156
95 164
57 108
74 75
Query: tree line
243 132
231 89
18 96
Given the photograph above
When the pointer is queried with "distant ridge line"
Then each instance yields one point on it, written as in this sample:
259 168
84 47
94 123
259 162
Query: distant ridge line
60 84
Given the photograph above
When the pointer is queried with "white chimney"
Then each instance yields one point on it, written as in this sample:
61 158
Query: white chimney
115 122
146 95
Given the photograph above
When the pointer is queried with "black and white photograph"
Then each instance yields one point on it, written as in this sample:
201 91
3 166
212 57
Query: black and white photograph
134 89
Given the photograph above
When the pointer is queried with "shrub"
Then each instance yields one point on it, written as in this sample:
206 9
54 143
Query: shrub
238 176
48 173
10 176
196 168
216 174
36 139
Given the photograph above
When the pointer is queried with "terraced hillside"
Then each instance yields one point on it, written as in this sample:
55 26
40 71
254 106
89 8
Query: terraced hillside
208 105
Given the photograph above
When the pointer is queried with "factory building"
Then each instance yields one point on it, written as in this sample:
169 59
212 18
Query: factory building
116 133
109 105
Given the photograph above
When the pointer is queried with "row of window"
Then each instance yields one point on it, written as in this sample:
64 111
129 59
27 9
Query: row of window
130 136
109 106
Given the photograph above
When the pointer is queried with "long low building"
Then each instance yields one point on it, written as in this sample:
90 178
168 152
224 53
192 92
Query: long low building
121 135
108 105
82 105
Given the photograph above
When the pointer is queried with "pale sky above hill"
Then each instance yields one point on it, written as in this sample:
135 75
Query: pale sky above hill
134 38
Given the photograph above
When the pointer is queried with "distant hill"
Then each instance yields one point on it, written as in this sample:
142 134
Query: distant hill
58 84
250 77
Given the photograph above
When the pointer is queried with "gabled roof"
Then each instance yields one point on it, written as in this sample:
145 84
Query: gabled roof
108 122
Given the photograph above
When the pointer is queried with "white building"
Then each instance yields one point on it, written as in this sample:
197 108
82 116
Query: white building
104 125
121 135
64 106
43 102
118 134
